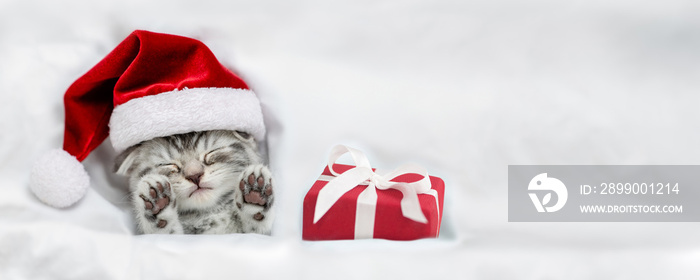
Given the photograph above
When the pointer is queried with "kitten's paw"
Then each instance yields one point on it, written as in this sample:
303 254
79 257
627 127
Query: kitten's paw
255 201
256 188
155 200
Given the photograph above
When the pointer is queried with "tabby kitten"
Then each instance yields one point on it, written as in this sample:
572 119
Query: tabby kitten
199 183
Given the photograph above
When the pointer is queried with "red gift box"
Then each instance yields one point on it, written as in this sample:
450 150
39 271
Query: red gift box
390 221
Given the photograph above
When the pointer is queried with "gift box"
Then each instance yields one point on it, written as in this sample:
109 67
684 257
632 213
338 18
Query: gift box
354 202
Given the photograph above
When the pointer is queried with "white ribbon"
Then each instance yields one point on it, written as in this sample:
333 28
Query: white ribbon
362 174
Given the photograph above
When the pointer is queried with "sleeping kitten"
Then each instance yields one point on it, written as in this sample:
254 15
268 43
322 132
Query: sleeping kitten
199 183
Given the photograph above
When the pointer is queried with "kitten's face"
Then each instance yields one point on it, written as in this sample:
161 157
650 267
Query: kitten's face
203 167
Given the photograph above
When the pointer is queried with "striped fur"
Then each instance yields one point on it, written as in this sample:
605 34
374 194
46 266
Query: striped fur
199 183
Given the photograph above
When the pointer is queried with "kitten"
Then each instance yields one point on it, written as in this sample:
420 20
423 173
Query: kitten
199 183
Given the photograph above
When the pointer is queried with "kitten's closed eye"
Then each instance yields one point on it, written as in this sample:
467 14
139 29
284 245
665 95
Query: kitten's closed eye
217 156
168 168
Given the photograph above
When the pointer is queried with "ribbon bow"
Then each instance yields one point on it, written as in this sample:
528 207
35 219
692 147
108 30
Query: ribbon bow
362 174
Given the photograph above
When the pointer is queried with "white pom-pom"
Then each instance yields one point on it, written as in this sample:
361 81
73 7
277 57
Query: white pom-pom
59 179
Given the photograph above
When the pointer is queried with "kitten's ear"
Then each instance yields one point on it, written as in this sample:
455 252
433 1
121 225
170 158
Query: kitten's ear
124 163
244 136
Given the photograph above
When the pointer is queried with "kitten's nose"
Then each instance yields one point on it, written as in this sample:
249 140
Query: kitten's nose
195 178
193 171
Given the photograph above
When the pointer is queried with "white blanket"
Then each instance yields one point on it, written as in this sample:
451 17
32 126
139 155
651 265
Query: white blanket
463 88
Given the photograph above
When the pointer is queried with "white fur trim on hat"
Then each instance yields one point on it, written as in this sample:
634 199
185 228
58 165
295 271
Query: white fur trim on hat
187 110
58 179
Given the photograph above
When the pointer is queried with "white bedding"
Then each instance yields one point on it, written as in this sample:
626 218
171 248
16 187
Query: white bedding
463 88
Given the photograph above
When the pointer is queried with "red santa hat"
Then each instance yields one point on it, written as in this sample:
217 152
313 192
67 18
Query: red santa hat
151 85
